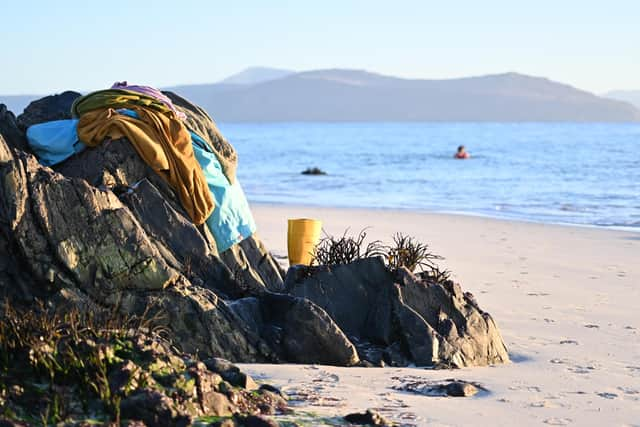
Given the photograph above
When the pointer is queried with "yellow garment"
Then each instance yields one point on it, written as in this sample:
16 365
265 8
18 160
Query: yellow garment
163 143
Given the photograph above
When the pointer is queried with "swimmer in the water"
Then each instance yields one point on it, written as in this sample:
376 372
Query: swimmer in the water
462 153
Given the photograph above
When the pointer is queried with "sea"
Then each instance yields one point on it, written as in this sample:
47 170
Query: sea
567 173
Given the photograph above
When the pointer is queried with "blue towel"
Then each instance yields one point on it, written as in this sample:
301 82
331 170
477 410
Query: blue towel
231 220
54 142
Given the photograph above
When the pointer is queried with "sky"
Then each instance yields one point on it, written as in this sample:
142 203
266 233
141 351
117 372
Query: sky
52 46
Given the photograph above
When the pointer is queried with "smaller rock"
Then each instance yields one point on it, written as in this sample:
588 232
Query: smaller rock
230 373
217 404
461 389
123 378
219 365
240 379
313 171
151 407
371 418
273 389
394 355
254 421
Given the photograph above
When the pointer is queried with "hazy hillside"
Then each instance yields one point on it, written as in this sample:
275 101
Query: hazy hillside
267 94
353 95
631 96
253 75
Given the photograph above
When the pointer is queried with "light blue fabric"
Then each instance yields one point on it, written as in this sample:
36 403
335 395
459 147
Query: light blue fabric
231 220
54 142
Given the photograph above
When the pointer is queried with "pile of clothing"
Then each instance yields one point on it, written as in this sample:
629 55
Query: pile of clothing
157 130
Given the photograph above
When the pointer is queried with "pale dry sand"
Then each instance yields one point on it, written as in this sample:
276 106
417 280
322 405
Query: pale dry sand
567 300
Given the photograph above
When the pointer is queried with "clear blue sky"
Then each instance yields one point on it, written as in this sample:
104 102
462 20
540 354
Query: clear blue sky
49 46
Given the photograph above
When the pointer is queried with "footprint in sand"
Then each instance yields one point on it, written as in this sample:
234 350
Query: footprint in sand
635 370
577 369
408 416
558 421
542 404
532 389
629 390
332 377
606 395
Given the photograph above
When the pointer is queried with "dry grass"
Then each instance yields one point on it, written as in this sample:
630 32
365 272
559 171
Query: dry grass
45 352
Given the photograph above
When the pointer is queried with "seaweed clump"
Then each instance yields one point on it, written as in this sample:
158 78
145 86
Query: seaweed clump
346 249
405 251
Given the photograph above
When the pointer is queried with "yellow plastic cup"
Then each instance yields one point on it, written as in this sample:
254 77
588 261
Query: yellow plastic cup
303 235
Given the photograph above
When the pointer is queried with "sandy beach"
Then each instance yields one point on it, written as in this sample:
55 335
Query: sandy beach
565 298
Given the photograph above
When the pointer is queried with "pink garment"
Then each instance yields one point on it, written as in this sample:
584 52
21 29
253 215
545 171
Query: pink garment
152 92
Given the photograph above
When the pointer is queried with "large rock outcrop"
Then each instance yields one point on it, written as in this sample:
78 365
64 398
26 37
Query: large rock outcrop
102 230
400 317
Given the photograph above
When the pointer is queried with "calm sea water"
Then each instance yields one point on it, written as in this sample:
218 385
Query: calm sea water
561 173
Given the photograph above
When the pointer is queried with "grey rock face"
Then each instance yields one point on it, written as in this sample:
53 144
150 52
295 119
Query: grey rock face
298 330
71 231
9 129
409 319
49 108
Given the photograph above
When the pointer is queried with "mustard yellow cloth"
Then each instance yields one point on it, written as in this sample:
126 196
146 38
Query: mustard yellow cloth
163 142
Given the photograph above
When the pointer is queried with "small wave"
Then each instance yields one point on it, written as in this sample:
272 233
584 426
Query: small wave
626 224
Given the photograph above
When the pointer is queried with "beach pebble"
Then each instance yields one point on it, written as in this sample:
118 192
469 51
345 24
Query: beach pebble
370 418
461 389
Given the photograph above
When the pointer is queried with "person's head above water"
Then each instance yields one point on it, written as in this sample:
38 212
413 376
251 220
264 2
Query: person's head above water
462 153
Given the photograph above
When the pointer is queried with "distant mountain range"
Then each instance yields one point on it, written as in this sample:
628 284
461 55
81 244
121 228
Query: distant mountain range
253 75
630 96
265 94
